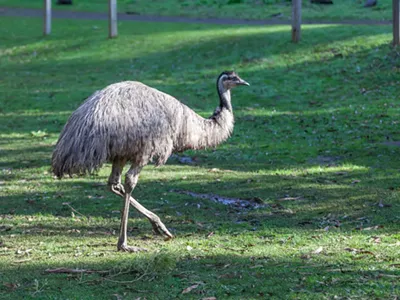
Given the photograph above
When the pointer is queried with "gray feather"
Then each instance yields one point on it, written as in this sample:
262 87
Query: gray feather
133 122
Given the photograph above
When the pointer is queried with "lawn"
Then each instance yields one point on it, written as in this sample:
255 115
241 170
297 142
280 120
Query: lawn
242 9
315 140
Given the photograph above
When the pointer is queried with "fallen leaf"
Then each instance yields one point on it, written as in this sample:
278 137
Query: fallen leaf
190 288
12 286
209 298
376 239
189 248
210 234
305 256
318 250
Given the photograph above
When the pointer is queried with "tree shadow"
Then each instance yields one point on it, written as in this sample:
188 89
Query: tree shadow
234 274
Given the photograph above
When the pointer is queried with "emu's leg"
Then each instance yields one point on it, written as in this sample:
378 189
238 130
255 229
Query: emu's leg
114 181
158 225
130 182
131 179
115 185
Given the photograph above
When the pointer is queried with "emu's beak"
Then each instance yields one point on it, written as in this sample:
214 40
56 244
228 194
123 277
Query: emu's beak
242 82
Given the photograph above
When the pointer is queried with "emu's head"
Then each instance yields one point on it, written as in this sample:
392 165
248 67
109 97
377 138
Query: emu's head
228 80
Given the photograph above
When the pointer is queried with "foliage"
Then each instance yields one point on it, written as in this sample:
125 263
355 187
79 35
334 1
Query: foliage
316 139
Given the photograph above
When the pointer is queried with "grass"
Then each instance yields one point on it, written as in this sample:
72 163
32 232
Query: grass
315 139
242 9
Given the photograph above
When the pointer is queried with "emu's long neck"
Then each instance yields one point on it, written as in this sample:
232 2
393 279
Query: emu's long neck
199 133
224 96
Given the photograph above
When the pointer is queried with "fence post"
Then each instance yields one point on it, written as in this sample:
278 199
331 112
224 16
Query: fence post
396 22
47 17
112 19
296 20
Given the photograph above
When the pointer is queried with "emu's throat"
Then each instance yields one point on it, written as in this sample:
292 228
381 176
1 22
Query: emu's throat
224 97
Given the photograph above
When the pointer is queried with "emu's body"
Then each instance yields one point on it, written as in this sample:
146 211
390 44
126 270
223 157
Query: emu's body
129 122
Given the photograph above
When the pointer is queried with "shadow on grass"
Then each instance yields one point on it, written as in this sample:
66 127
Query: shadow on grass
303 202
236 275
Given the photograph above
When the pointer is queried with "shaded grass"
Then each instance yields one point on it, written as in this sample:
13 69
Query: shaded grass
242 9
313 140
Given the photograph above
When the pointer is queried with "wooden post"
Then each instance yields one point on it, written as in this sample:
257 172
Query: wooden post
112 19
396 22
296 20
47 17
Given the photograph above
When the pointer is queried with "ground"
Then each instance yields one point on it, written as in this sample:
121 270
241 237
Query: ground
315 140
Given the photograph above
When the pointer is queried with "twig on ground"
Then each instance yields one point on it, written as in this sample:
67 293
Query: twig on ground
74 210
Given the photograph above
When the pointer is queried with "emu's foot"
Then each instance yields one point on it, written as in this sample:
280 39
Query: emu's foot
126 248
117 189
160 229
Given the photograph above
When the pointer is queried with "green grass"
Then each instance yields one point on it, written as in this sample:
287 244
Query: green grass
242 9
311 140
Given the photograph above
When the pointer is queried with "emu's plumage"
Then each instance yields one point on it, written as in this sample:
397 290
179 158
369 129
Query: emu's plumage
131 122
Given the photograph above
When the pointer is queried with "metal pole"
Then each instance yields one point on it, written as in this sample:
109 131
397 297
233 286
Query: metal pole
112 19
47 17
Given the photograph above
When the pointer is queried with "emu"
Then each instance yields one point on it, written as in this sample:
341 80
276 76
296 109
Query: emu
129 122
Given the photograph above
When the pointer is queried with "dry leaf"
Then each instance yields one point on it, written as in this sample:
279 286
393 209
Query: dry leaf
210 234
10 285
318 250
376 239
305 256
209 298
190 288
